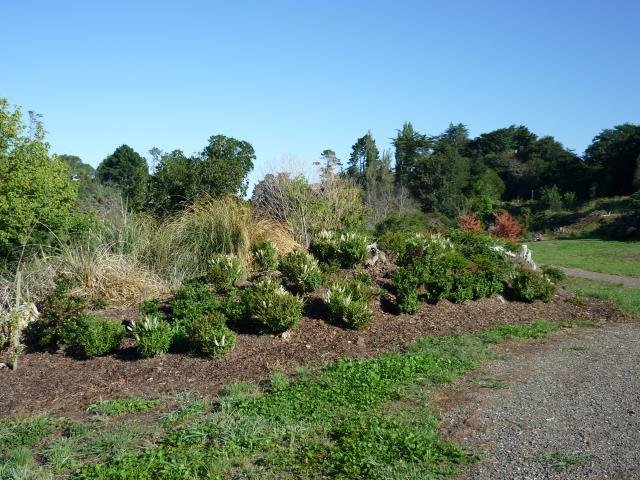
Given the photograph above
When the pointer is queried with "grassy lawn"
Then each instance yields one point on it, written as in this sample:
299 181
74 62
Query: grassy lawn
355 419
622 258
628 299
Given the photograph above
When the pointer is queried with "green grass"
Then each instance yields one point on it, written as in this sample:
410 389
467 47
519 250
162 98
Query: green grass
354 419
605 256
121 405
562 460
628 299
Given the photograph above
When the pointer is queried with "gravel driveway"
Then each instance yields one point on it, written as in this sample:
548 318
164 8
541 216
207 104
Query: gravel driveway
565 407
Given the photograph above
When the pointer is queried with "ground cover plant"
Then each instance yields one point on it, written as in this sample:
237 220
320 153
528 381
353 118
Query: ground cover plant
355 418
606 256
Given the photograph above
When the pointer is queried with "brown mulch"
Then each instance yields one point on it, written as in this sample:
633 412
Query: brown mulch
64 385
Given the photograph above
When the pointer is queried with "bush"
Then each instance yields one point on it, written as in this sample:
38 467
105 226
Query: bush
394 242
553 273
210 336
480 243
347 250
302 271
153 335
56 308
490 274
98 336
193 301
529 285
225 271
265 255
273 308
324 247
348 303
448 276
419 247
506 227
151 308
470 223
407 280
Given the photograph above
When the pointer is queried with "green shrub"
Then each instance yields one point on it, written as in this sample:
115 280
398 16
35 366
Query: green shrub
153 336
193 301
265 255
58 307
480 243
407 280
273 308
151 308
210 336
394 242
225 271
553 273
409 224
302 271
490 274
98 336
529 285
346 250
418 247
348 303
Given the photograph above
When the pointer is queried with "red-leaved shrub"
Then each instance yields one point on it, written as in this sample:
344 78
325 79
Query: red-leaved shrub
470 223
506 226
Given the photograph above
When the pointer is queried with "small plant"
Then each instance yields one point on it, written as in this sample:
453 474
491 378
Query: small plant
553 273
302 271
265 255
210 336
119 406
529 285
506 227
273 308
225 271
348 303
13 323
153 336
97 336
193 301
470 223
419 247
407 280
151 308
347 250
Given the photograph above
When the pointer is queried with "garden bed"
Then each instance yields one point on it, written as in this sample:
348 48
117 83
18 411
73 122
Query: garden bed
61 384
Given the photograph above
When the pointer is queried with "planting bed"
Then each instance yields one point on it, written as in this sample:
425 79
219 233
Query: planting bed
64 385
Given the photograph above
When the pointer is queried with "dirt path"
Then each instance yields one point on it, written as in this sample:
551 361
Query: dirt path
567 406
604 277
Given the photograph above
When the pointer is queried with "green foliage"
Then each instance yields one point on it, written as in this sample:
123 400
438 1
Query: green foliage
153 336
127 170
348 303
553 273
551 198
302 271
407 280
225 270
347 250
36 191
529 285
269 305
151 308
107 408
210 336
265 255
193 300
420 246
59 311
98 336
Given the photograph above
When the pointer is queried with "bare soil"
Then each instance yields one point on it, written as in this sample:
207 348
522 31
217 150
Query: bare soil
64 385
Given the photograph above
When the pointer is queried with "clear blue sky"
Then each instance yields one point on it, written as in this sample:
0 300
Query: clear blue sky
296 77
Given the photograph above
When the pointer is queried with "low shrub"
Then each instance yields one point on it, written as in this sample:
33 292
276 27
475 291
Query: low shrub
57 307
210 336
394 242
97 336
347 250
553 273
490 275
301 271
225 271
506 227
470 223
419 246
348 303
192 301
153 336
269 305
265 255
529 285
151 308
407 280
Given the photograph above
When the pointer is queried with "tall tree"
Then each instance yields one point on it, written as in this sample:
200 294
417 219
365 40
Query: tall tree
614 157
364 160
127 170
409 147
224 165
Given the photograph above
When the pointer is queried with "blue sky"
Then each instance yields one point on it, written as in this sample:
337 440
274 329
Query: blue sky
296 77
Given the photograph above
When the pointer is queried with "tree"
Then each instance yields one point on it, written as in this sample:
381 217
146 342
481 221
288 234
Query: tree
409 147
614 158
127 170
173 183
224 165
364 161
328 164
36 191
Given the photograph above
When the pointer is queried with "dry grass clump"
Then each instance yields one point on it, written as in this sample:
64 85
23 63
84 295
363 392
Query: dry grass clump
226 225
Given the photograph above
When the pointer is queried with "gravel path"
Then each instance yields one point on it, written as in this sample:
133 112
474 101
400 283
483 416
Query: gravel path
565 407
604 277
